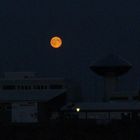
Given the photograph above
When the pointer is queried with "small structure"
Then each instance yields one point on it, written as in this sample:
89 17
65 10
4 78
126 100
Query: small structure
110 68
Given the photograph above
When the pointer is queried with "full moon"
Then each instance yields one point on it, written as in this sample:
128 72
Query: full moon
56 42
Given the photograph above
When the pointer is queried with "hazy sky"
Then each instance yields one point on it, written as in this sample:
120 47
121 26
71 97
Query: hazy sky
90 29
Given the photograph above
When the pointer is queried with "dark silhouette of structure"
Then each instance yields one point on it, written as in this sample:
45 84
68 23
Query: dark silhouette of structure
110 68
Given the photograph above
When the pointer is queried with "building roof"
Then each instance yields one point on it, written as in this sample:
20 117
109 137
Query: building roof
111 65
112 60
11 96
104 106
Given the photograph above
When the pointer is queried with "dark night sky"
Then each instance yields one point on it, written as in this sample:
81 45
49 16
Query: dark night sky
89 28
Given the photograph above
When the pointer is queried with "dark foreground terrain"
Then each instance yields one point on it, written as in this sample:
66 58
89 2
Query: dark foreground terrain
72 130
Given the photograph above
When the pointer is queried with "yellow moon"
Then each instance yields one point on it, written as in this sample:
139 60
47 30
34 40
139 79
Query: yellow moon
56 42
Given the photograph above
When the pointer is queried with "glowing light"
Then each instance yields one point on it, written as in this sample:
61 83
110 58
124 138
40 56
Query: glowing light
78 109
56 42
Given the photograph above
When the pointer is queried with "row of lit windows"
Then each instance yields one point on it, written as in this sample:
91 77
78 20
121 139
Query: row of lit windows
29 87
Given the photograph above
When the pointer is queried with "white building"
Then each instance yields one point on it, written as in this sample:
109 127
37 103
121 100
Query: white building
26 98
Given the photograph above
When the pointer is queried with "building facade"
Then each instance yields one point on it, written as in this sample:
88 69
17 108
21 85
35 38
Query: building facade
26 98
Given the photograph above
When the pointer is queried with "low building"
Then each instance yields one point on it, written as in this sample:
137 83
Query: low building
103 110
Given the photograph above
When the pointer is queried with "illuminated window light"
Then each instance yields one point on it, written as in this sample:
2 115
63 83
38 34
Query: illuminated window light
77 109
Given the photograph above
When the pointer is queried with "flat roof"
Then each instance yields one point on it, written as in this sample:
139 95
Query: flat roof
104 106
11 96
